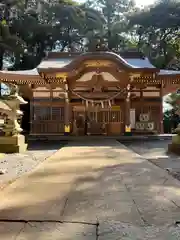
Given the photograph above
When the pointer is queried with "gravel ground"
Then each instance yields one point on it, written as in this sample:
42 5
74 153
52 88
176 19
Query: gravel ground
15 165
156 152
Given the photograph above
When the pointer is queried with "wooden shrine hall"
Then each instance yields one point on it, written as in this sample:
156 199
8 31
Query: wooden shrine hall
99 93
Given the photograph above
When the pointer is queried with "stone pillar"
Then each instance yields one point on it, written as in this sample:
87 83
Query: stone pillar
127 111
66 111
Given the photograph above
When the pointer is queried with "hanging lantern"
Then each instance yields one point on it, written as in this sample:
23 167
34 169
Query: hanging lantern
109 103
86 103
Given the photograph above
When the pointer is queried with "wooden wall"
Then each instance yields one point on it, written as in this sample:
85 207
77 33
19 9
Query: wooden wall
47 112
151 107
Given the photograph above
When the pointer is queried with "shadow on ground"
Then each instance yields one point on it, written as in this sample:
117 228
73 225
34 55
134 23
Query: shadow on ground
45 145
126 194
156 152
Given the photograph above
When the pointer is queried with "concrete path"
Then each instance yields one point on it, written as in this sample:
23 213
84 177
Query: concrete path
96 190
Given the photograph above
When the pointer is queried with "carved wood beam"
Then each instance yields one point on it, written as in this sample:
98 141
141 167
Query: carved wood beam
121 77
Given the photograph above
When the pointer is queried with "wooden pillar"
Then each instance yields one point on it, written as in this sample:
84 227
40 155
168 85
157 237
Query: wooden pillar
161 111
31 122
127 111
51 102
66 111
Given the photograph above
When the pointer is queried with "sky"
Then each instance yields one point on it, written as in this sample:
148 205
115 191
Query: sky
138 2
144 2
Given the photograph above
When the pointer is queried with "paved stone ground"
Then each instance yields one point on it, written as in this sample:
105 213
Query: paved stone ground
95 191
156 152
15 165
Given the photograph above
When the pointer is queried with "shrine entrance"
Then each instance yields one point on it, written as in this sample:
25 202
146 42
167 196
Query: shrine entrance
95 120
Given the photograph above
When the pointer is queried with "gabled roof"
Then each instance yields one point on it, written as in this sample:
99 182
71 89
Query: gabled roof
32 72
54 63
61 62
68 62
21 77
168 72
139 63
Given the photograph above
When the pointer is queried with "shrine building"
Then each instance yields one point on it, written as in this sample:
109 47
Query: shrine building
100 93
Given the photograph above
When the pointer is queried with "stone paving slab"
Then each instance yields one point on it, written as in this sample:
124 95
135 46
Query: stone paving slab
156 152
9 231
128 188
104 181
115 230
47 231
33 195
88 209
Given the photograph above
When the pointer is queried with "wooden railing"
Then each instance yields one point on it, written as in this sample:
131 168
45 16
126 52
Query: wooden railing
47 127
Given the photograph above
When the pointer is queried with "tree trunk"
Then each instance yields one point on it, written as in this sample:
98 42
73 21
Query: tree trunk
1 66
40 52
7 12
26 4
109 25
1 58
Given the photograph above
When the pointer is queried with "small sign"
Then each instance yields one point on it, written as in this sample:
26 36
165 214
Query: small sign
128 129
79 108
3 22
98 63
61 75
116 108
67 128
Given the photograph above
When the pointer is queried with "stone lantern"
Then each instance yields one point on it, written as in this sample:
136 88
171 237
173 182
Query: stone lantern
174 147
12 141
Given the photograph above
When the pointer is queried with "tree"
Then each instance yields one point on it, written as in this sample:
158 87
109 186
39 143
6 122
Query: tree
115 35
158 31
174 101
174 113
8 42
60 25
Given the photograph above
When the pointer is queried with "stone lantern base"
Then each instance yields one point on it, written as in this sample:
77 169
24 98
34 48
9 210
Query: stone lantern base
13 144
174 147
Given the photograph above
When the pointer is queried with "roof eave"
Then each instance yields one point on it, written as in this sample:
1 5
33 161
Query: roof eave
66 69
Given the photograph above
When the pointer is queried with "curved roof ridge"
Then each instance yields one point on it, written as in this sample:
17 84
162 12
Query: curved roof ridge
117 56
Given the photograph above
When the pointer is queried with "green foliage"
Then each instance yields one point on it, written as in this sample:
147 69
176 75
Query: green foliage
174 100
29 28
158 31
115 35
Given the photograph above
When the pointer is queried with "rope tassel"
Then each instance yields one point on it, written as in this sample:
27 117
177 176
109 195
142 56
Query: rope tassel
102 104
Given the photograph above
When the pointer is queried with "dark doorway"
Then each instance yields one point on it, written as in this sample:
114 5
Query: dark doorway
25 123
